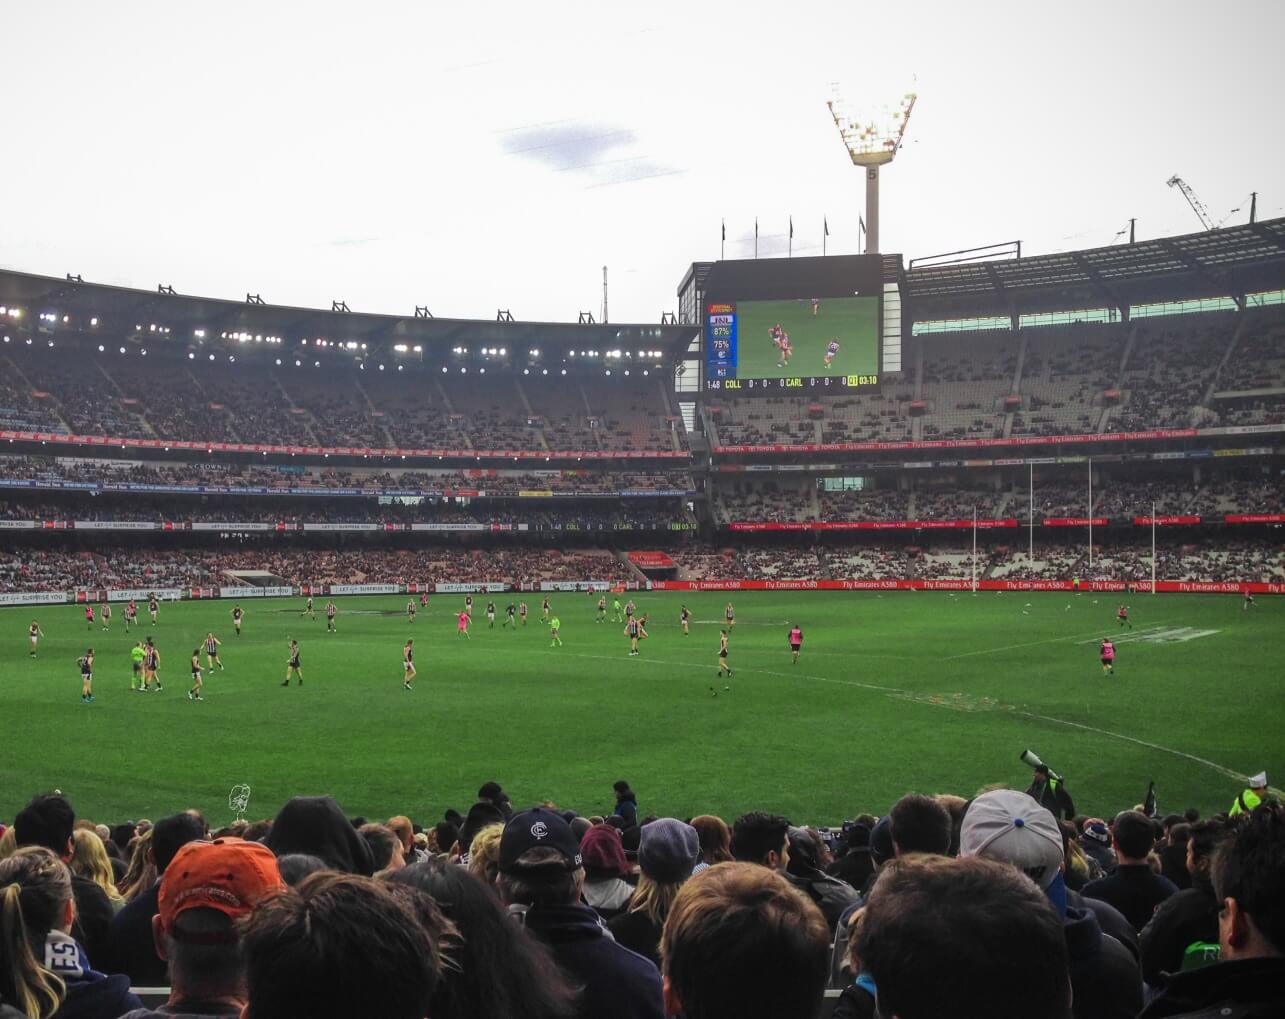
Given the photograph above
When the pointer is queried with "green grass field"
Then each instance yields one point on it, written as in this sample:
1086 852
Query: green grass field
897 691
854 321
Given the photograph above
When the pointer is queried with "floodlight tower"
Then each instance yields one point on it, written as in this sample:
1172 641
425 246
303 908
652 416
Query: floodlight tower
872 144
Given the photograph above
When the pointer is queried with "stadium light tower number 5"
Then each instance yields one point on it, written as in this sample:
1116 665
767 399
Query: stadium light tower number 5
871 143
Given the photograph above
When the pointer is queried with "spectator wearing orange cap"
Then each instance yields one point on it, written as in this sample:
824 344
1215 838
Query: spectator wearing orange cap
207 887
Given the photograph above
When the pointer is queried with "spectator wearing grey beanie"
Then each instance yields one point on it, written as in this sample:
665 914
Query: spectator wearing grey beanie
667 854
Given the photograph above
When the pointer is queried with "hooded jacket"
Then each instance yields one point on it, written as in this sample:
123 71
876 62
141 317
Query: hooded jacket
1243 989
315 825
90 994
617 983
1184 918
1105 980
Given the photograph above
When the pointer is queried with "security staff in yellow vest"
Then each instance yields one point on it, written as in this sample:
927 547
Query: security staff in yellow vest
1251 797
1049 791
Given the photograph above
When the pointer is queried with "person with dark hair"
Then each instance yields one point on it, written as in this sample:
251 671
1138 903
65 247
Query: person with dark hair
1049 791
445 835
715 839
1133 887
1183 932
804 871
206 889
1008 826
43 971
338 946
1173 853
740 943
996 942
1249 884
854 864
761 838
541 878
132 946
481 815
294 867
385 847
626 803
49 821
920 824
317 826
501 970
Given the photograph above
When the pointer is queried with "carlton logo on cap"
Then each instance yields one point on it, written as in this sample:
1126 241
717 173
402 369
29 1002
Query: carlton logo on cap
539 830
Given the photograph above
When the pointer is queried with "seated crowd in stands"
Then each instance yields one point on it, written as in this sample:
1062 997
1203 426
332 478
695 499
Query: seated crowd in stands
1007 905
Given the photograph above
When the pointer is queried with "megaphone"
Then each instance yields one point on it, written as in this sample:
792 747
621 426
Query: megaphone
1032 759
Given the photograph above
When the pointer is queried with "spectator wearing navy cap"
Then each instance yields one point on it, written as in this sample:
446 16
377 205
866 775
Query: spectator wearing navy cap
667 854
541 878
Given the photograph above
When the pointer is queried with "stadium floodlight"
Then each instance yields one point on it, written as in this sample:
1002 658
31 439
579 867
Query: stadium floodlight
871 144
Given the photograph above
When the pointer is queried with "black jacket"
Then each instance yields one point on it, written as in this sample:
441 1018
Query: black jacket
616 983
1134 890
1110 919
1245 989
316 825
638 933
133 951
93 919
1053 797
1191 915
1105 980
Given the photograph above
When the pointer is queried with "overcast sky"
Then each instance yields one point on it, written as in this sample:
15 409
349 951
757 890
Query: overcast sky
480 156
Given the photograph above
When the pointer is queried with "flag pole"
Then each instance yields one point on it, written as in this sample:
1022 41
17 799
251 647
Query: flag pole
756 237
1030 518
722 250
1090 515
1153 547
974 548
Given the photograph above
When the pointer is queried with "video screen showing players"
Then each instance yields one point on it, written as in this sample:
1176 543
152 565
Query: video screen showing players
824 341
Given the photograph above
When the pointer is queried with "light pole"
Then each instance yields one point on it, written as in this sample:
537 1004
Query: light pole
871 144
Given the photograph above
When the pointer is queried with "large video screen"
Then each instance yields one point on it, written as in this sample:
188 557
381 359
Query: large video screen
805 325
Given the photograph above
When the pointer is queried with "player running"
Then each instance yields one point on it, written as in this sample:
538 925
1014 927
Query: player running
89 617
1107 653
34 633
293 668
1245 604
602 609
816 306
555 624
309 610
522 611
635 630
423 600
1122 615
730 613
137 656
461 625
331 611
408 663
212 652
195 693
796 643
490 615
468 605
410 611
546 609
617 615
238 614
511 616
831 352
630 609
685 618
130 614
153 607
105 615
151 663
86 663
723 666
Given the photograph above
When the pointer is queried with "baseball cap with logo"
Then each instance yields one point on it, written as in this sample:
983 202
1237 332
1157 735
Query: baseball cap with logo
1096 829
229 875
1012 827
538 828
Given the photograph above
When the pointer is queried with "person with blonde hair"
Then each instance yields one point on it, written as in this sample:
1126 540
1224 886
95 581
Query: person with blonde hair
484 854
8 842
140 875
89 860
668 852
44 973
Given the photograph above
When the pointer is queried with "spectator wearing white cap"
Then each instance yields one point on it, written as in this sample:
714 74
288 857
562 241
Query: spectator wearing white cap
1251 797
1010 827
667 855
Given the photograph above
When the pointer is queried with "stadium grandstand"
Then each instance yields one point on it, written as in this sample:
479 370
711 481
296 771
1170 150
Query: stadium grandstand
1053 405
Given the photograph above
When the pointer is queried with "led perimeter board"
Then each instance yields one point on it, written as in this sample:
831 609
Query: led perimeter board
801 325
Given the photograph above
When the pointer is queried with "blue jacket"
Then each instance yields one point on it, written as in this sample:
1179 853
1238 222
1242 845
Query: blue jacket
90 994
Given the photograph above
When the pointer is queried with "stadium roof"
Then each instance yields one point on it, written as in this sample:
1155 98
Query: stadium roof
1228 262
125 308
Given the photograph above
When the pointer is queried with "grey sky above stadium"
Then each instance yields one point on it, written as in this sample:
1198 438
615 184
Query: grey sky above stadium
479 157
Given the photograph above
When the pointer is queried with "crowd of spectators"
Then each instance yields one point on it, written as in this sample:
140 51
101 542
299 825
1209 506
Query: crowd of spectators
248 401
1027 910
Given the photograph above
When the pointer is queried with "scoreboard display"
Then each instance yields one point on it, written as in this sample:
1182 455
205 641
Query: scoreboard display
801 325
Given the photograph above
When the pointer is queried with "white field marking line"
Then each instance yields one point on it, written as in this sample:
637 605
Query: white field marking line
1145 634
892 690
1034 643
